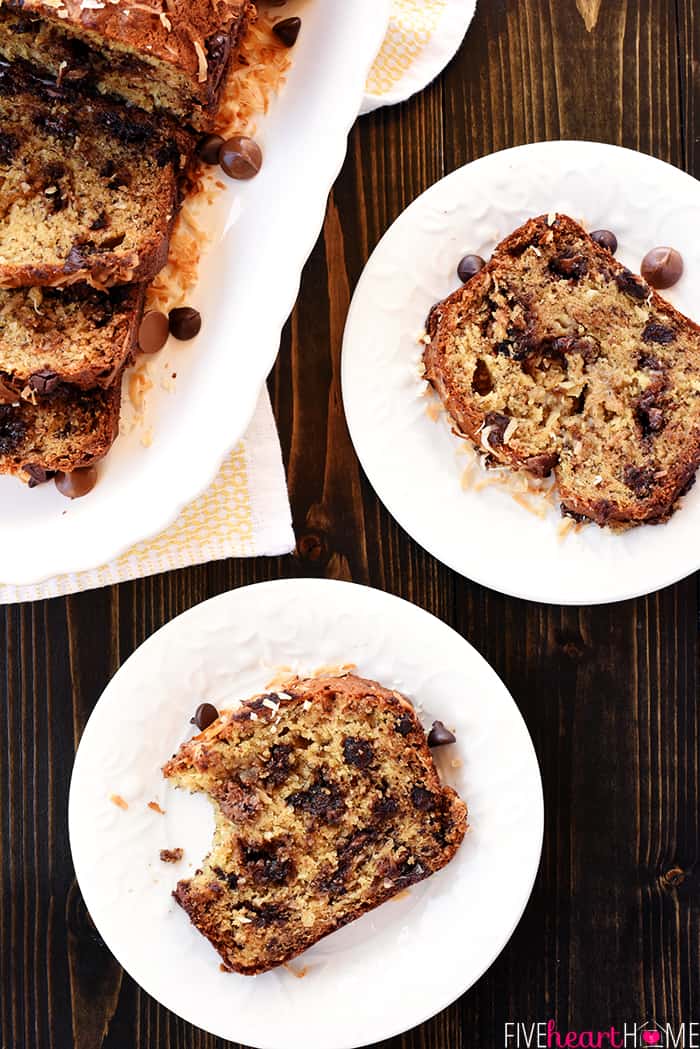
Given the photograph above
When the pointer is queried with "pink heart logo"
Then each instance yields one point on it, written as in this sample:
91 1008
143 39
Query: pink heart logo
651 1037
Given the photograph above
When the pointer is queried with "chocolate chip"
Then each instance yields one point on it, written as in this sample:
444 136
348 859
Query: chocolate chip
12 430
101 222
659 333
631 285
640 479
37 474
439 736
153 331
204 716
185 322
43 382
240 157
357 752
218 47
236 802
280 764
649 362
76 484
541 465
605 239
422 799
266 863
404 725
209 147
384 807
583 344
75 260
322 799
497 424
569 265
287 30
469 266
662 267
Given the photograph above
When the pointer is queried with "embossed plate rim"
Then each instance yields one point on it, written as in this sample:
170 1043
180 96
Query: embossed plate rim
485 535
458 920
248 283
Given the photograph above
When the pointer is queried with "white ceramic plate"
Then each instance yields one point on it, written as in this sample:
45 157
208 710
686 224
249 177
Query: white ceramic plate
264 231
415 463
392 968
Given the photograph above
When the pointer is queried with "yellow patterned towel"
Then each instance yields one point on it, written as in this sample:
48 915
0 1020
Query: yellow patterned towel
423 36
244 513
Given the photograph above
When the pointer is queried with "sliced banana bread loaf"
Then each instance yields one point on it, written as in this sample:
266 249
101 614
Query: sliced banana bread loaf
75 335
327 803
88 192
556 357
166 56
64 430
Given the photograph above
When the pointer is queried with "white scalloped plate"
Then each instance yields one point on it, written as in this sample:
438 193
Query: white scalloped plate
264 230
416 463
392 968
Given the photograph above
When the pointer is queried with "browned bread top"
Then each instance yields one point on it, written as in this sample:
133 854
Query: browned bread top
75 335
89 192
170 55
556 357
327 803
65 430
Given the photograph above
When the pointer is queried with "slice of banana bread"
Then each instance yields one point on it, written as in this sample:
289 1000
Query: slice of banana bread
327 803
64 430
556 357
75 335
88 192
169 57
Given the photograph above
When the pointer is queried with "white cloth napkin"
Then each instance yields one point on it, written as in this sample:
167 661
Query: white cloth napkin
423 36
244 513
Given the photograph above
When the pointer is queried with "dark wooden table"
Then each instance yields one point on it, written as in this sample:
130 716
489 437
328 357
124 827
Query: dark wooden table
612 932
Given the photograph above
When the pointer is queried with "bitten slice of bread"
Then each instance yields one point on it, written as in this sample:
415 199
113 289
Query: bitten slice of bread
75 335
88 193
327 803
556 357
65 430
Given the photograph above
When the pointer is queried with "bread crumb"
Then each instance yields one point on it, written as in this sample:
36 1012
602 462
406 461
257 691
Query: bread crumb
456 763
401 895
118 800
156 808
171 855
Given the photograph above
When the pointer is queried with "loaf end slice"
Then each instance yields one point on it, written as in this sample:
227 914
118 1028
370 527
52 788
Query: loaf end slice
327 803
556 357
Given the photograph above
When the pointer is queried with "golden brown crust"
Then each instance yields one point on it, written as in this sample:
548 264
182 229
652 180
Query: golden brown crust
328 803
558 341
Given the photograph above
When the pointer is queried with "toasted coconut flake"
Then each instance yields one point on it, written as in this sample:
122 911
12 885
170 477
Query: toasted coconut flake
201 62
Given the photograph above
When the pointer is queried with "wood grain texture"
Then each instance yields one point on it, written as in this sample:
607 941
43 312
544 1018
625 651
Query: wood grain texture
612 932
